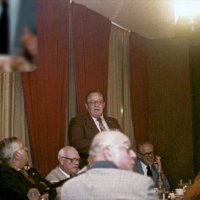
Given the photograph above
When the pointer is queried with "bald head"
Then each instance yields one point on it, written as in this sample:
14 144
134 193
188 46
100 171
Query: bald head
115 147
68 158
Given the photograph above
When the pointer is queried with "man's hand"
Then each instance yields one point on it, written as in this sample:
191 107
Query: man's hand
29 43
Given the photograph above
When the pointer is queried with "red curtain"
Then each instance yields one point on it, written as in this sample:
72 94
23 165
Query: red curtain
45 90
90 33
139 85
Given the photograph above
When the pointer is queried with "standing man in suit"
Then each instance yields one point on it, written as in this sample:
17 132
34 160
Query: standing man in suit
82 129
148 164
111 176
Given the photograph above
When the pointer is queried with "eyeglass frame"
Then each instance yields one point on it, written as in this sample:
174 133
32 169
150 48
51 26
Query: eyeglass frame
152 153
93 103
72 160
128 149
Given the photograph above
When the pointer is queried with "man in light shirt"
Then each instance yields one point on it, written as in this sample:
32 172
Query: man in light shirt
68 166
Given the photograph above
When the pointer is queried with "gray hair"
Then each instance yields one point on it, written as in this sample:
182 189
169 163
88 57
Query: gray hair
92 92
104 139
8 147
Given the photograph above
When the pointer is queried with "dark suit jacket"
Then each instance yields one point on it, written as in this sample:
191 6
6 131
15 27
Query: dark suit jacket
82 130
155 175
15 186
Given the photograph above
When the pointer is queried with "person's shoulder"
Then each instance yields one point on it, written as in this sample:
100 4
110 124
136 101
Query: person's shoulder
109 118
137 163
51 173
78 179
7 170
80 118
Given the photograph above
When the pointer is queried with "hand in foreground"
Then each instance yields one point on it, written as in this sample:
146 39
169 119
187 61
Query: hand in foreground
34 194
29 43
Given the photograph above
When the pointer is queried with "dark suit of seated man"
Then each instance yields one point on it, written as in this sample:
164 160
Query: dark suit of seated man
17 180
82 129
146 157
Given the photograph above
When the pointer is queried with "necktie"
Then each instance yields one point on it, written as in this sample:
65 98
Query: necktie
149 172
101 126
4 34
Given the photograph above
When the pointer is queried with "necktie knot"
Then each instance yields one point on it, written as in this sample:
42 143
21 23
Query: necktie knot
101 126
149 172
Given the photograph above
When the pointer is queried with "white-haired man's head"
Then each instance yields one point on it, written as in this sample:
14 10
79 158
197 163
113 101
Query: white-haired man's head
115 147
13 152
69 158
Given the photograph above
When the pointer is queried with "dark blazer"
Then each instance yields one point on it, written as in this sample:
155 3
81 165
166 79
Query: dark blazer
82 130
138 168
15 186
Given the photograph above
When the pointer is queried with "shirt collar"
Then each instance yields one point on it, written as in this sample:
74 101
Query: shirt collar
103 164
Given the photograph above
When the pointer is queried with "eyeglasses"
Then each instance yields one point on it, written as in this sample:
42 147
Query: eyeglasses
148 154
128 149
93 103
72 160
23 148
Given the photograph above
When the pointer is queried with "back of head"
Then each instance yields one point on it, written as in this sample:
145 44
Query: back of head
104 139
8 147
115 147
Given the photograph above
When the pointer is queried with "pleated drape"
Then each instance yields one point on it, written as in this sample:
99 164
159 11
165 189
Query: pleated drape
139 85
45 90
90 32
119 80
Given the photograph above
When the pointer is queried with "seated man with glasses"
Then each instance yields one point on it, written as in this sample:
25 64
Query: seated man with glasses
18 181
68 166
111 175
82 129
149 164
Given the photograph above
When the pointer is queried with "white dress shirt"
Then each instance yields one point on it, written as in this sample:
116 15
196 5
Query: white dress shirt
97 123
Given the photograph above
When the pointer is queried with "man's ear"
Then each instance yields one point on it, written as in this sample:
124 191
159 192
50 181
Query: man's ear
86 106
108 155
17 155
61 160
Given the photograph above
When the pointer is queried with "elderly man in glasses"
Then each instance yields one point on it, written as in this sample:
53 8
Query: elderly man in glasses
82 129
18 181
68 166
111 176
148 164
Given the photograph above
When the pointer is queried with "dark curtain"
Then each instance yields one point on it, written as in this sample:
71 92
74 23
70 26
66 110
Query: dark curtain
169 107
90 33
195 89
45 90
139 85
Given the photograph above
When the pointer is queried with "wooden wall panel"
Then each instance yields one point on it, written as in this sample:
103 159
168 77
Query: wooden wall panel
170 108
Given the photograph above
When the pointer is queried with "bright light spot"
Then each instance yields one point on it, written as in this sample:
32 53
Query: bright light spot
121 110
186 8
